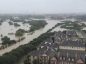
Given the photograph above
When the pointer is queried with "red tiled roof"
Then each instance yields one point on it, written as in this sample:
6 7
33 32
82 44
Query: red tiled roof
80 61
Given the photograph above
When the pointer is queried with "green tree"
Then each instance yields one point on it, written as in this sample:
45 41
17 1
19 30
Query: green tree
20 32
5 40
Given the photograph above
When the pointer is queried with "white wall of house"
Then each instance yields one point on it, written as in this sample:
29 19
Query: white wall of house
72 48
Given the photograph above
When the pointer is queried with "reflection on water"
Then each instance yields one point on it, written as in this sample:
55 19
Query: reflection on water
5 28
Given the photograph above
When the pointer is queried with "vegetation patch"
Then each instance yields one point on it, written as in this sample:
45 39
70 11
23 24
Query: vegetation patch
20 32
16 25
37 24
6 41
72 25
10 23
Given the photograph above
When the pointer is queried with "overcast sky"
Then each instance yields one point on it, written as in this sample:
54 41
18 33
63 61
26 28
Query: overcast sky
42 6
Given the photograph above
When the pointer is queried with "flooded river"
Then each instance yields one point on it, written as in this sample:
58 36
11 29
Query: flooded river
5 28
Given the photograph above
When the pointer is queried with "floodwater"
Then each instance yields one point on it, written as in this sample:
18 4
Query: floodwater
5 28
84 27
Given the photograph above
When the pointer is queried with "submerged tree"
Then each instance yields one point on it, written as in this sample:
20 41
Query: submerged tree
16 24
10 23
20 32
5 40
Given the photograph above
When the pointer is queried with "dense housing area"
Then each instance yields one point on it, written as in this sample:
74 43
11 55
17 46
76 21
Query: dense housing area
64 47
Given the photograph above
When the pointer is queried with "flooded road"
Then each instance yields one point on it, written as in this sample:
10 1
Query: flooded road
5 28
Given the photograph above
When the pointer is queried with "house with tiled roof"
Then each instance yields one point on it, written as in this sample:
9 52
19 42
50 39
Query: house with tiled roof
79 61
59 50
